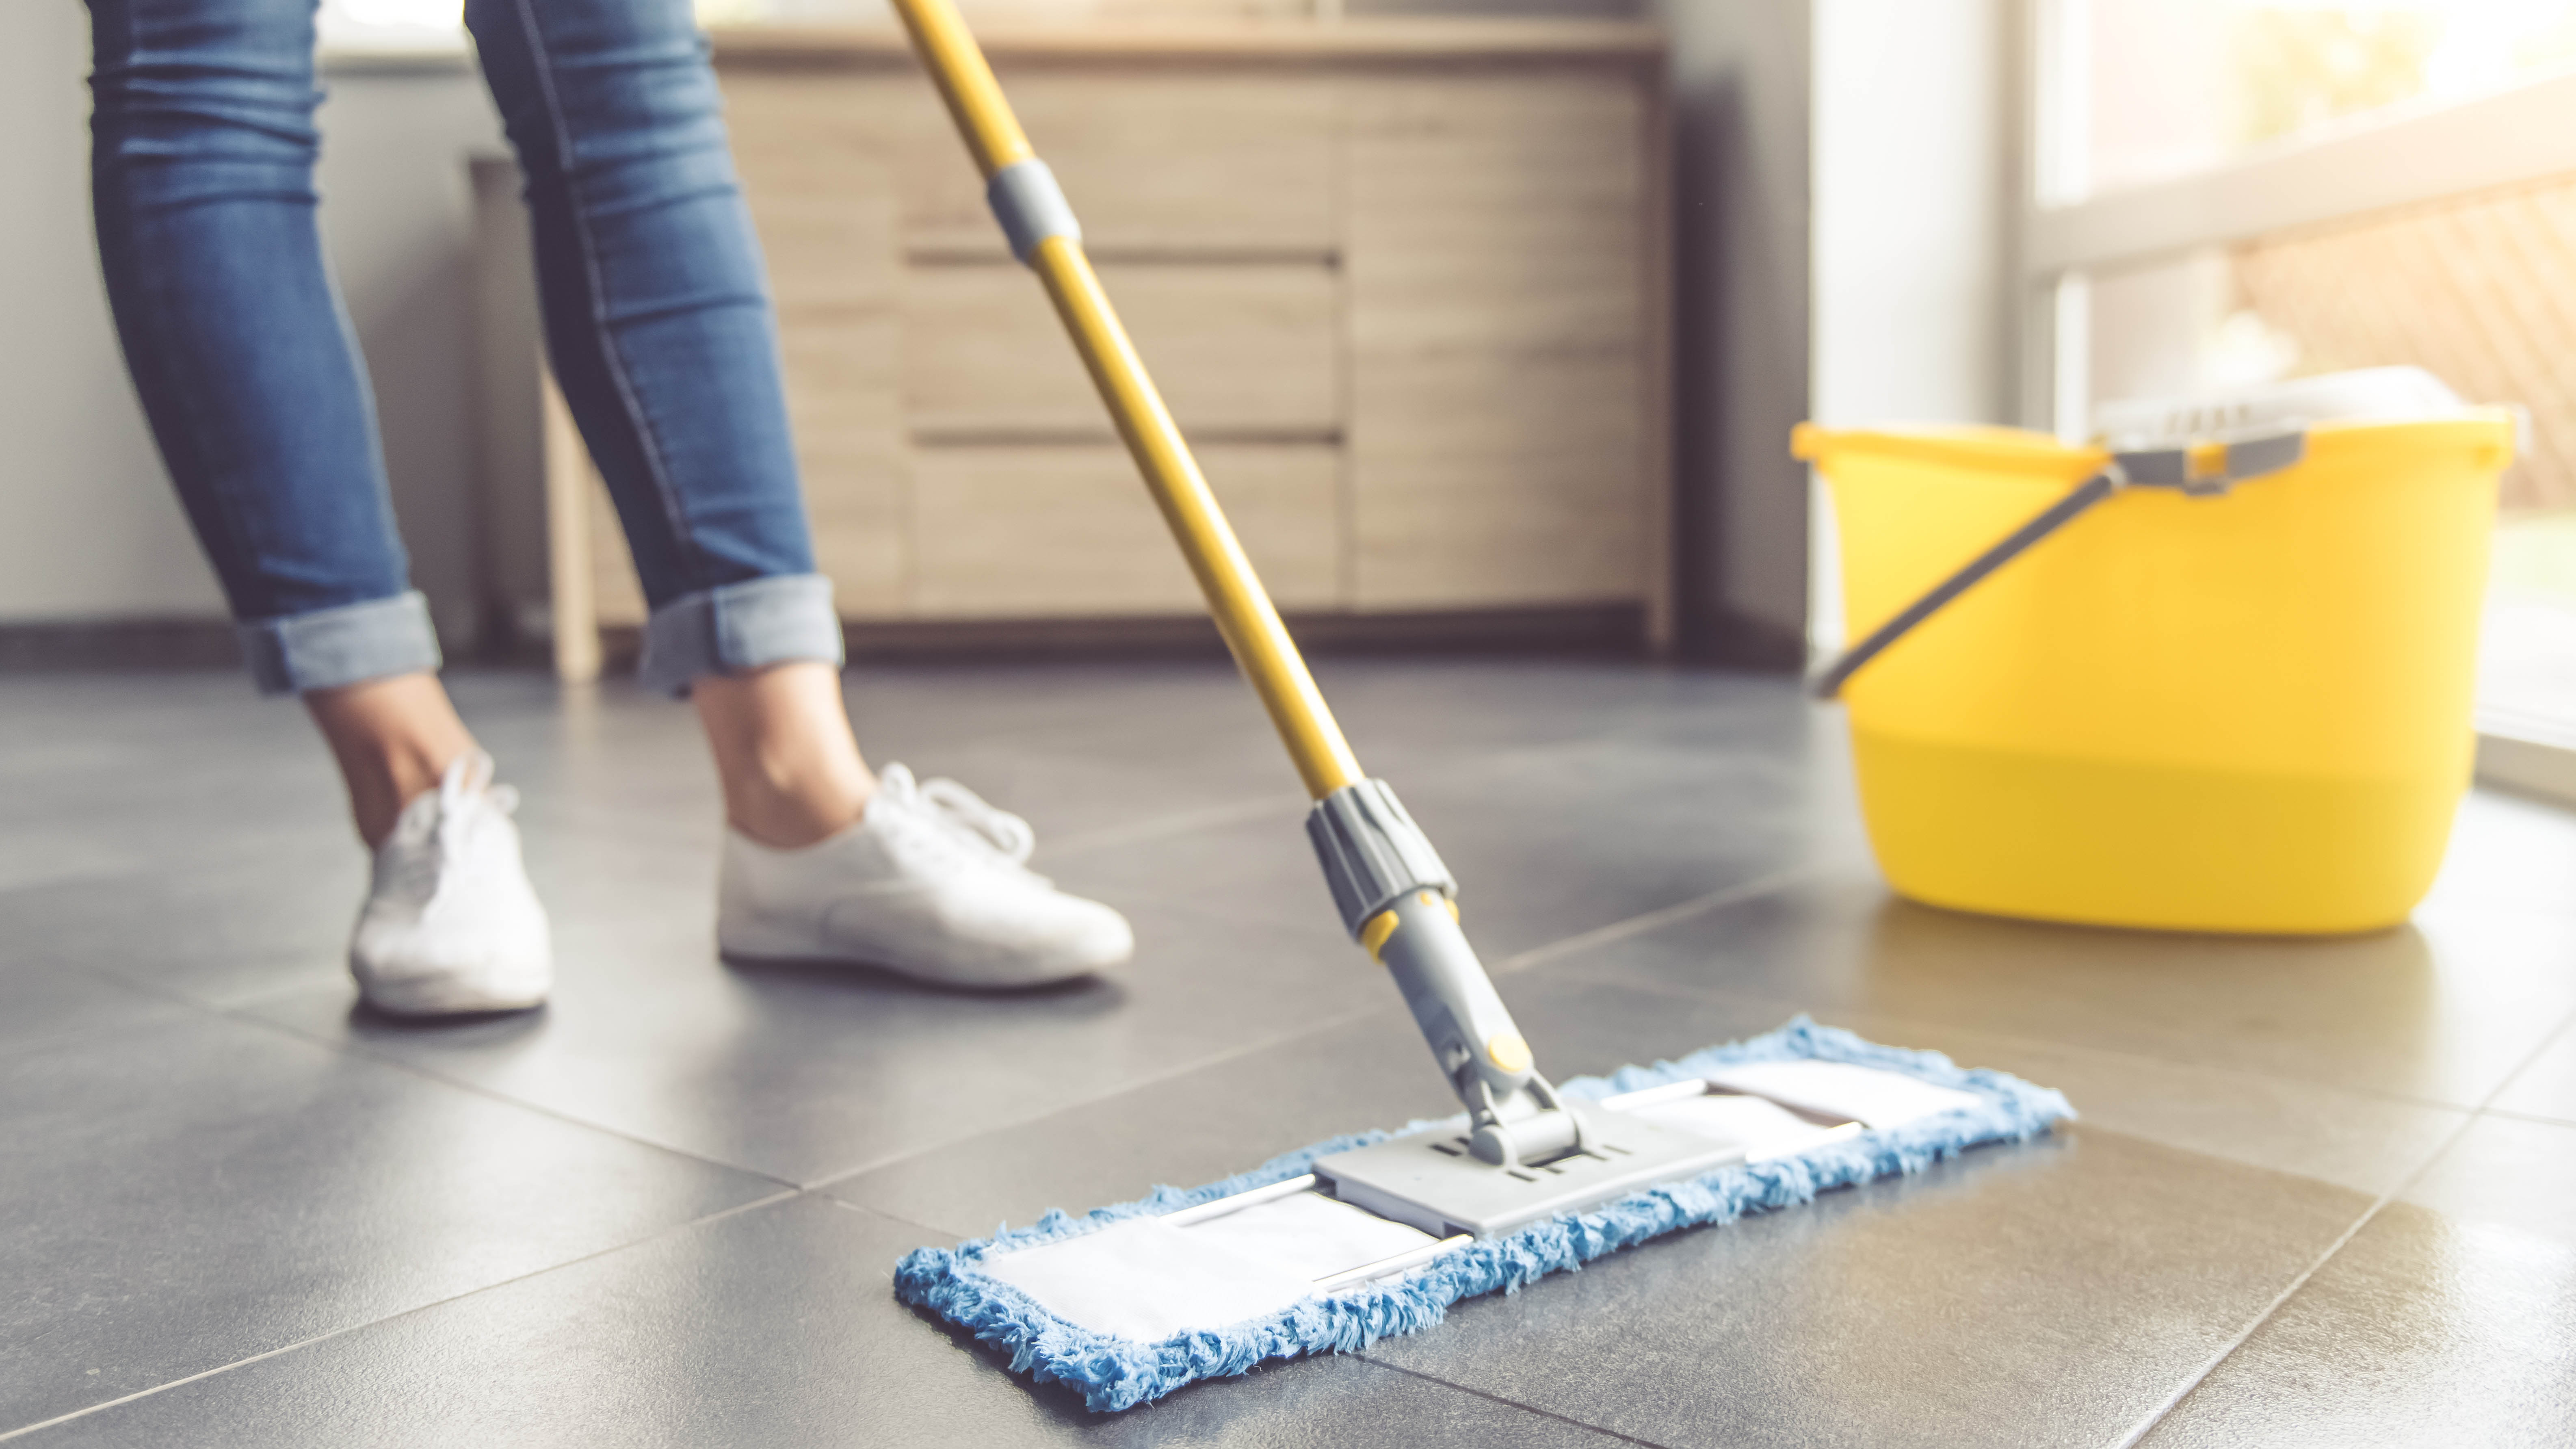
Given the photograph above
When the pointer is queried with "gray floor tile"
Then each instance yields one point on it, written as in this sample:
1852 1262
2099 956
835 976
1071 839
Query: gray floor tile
2546 1087
200 1188
39 1005
2368 1143
2508 1172
1370 1070
2449 1319
2509 851
803 1073
220 931
2425 1330
773 1326
2050 1293
184 1195
1546 843
1599 1014
2440 1010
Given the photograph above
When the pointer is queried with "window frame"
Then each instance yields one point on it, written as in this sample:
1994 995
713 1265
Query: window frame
2421 151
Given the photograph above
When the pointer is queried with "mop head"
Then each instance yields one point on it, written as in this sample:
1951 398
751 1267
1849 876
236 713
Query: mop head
1123 1310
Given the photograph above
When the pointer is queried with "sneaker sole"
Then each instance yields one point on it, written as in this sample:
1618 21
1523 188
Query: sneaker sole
448 999
736 957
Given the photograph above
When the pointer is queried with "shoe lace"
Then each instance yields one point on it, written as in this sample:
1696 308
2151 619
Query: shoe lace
970 814
469 805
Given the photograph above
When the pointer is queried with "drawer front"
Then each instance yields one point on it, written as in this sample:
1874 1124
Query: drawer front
817 157
1249 351
1033 532
1500 405
1156 163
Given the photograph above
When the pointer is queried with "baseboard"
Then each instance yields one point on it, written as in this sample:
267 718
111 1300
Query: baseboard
1597 631
2528 757
107 644
1734 640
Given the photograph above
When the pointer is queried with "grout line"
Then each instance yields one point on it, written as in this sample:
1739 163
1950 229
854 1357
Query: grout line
2189 1386
1615 931
863 1210
1503 760
366 1052
1110 1094
2537 1119
1375 1362
676 1228
1903 1020
2185 1389
1180 823
1655 920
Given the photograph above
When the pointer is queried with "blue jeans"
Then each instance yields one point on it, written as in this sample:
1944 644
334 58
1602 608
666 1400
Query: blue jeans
656 315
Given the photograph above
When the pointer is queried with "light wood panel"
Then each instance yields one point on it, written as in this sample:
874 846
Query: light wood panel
818 157
1500 402
1400 283
1156 162
1069 531
1236 349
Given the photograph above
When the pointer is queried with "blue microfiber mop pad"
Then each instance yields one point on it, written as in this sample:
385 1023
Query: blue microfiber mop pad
1116 1373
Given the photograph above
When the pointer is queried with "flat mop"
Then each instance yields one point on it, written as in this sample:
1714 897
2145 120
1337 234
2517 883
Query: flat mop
1346 1242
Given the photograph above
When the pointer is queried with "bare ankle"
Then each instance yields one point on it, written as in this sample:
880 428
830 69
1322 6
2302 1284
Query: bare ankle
393 738
790 767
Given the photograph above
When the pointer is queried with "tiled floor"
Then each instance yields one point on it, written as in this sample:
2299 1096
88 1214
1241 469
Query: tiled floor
2323 1192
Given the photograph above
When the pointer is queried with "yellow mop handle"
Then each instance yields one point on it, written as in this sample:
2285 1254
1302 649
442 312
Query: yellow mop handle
1242 610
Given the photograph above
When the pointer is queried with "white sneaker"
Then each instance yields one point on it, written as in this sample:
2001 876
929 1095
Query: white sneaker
931 882
451 924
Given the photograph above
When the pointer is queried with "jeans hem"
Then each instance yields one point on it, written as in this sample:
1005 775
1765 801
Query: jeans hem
343 644
739 627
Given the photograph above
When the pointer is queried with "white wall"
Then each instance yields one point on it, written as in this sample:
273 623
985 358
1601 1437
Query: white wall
1913 170
1911 211
88 526
1742 176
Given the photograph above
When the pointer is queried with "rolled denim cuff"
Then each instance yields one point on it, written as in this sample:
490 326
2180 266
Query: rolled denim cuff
344 644
740 627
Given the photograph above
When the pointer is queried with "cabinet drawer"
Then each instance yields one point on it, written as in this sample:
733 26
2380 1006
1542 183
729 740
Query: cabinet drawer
1503 408
1155 164
1032 532
1250 351
816 154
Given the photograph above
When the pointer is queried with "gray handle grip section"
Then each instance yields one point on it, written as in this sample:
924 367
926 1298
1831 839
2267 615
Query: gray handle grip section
1030 206
1452 998
2059 514
1372 853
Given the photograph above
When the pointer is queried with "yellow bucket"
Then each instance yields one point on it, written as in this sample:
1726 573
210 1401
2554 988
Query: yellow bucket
2247 713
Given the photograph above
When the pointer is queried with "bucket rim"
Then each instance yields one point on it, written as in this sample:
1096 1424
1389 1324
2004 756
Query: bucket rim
1993 449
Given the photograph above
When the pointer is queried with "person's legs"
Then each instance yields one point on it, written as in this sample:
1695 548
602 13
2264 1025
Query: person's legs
657 318
784 752
202 179
393 738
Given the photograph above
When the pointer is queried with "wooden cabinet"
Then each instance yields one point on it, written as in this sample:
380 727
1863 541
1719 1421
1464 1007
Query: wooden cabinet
1402 283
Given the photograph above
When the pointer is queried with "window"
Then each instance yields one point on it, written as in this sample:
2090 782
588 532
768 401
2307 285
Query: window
2229 191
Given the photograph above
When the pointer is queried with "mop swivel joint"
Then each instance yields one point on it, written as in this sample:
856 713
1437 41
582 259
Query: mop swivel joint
1372 853
1397 899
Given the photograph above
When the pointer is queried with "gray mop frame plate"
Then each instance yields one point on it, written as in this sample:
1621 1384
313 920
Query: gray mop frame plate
1428 1180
